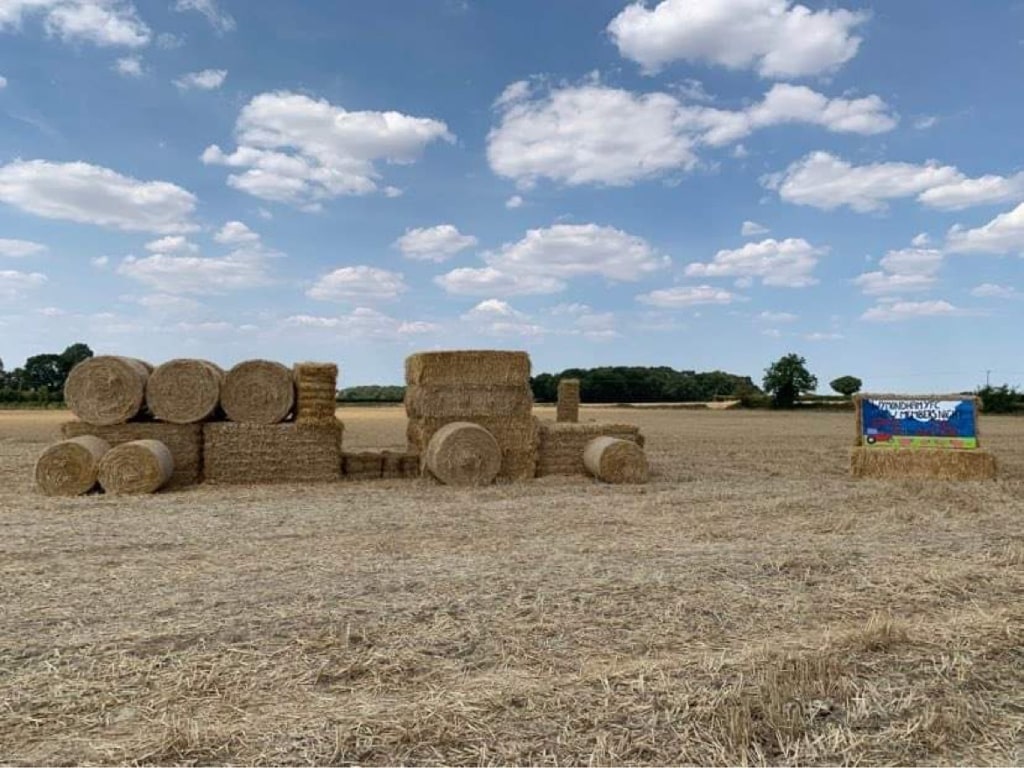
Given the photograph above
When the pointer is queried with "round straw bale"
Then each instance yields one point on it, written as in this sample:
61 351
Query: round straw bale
463 453
615 461
107 389
141 466
258 392
70 467
184 391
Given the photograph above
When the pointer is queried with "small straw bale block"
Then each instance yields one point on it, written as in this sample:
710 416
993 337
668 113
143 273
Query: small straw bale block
616 461
141 466
400 465
468 402
316 392
518 440
184 391
185 442
468 368
568 401
243 454
70 467
463 453
107 389
365 465
562 444
922 463
258 392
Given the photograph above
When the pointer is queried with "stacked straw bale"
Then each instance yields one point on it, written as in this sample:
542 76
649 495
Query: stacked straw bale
615 461
235 453
184 391
931 464
463 453
562 445
258 392
316 388
366 465
400 465
107 389
141 466
488 388
568 401
184 441
70 467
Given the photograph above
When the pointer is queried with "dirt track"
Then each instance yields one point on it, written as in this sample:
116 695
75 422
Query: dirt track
753 603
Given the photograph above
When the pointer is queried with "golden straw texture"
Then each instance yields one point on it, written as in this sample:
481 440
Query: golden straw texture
70 467
107 389
316 391
142 466
185 442
933 464
366 465
468 368
517 438
568 410
271 453
463 453
562 444
616 461
184 391
258 392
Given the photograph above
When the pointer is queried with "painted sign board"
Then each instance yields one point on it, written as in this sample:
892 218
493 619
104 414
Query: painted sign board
897 421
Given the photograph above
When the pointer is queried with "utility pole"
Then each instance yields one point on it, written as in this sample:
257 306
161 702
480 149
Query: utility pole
988 372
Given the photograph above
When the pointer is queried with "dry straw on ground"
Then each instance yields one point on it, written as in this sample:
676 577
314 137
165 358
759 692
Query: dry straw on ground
185 442
463 453
616 461
70 467
107 389
271 453
933 464
258 392
467 368
562 444
184 391
568 401
316 391
366 465
142 466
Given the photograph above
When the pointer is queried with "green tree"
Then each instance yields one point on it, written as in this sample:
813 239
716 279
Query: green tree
846 385
44 372
787 378
72 356
1001 399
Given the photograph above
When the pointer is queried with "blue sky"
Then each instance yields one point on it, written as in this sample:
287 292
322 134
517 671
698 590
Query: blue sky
696 183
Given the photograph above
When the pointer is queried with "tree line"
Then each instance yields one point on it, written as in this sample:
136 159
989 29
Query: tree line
41 380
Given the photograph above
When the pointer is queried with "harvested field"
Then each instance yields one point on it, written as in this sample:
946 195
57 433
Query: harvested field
752 603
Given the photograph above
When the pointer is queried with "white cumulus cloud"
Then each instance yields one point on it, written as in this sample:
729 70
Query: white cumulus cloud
1004 234
219 19
172 244
438 243
14 284
198 274
775 38
688 296
19 248
907 310
105 23
516 201
469 281
787 263
206 80
364 323
753 229
3 82
903 270
360 283
129 66
236 233
300 150
92 194
993 291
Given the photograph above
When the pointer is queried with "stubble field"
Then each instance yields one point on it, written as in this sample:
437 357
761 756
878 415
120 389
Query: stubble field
753 603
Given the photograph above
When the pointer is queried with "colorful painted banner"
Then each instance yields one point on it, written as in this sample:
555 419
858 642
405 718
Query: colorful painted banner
918 423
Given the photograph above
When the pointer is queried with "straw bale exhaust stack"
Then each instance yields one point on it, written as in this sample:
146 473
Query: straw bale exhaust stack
366 465
107 389
271 453
258 392
895 464
185 442
615 461
562 444
141 466
568 400
70 467
463 453
184 391
316 388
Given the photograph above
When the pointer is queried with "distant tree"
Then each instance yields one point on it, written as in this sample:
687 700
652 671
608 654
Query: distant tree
786 379
1001 399
846 385
44 372
73 355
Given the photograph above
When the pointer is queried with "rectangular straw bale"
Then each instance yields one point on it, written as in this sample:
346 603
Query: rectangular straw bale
237 453
568 410
467 402
400 465
366 465
922 463
517 438
562 444
468 368
184 441
316 388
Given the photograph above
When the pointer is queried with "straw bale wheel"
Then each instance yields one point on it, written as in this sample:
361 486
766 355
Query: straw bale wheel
463 453
141 466
615 461
70 467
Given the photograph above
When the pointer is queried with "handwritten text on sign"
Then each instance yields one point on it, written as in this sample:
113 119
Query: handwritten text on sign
919 423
